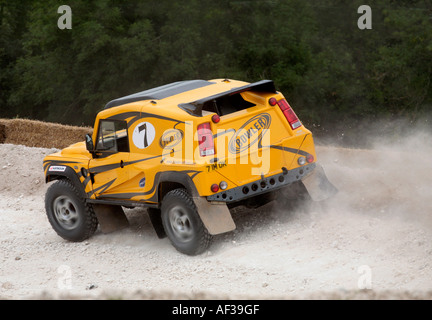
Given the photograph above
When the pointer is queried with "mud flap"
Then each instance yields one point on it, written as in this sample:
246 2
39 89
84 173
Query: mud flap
318 186
156 221
215 216
111 218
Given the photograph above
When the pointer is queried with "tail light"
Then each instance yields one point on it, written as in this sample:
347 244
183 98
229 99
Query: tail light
205 140
289 114
214 187
215 118
301 161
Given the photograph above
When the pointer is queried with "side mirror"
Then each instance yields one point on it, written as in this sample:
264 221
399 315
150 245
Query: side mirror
89 143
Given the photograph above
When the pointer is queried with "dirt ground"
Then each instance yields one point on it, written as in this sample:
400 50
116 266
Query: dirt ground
373 240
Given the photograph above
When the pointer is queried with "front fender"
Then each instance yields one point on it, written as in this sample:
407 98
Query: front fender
56 171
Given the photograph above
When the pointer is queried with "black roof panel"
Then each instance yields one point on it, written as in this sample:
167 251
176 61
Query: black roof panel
159 93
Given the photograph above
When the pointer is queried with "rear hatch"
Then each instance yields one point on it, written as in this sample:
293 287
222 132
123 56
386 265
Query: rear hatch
255 131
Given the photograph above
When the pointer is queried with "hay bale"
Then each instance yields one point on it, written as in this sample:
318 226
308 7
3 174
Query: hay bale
40 134
2 133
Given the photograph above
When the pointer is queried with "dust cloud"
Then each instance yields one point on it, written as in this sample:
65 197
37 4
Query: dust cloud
392 179
372 240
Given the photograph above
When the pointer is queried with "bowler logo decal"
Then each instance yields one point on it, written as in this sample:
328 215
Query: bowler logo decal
171 137
143 135
250 133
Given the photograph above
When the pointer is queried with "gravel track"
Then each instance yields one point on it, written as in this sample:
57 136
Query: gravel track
373 240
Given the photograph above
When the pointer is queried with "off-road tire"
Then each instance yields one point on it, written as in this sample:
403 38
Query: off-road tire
182 223
68 213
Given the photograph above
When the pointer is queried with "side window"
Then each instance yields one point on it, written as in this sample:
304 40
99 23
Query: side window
112 137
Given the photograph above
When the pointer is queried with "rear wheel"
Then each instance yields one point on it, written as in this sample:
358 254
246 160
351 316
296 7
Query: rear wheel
68 213
182 223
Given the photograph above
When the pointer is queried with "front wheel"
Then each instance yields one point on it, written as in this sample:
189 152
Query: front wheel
182 223
68 213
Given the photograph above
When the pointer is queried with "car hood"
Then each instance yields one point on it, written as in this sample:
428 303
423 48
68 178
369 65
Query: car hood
76 150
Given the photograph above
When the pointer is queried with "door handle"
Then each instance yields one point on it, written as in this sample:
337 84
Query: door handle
121 164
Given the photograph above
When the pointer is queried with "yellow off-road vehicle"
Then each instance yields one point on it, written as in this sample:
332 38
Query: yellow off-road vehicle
189 152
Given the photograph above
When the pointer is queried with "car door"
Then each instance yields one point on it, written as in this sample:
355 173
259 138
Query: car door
109 168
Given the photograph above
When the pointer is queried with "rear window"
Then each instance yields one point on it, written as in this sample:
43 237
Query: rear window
227 104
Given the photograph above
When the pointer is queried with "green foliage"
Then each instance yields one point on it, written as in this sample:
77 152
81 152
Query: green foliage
401 69
11 30
334 74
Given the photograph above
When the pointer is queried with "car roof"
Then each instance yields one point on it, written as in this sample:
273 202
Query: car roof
161 92
193 103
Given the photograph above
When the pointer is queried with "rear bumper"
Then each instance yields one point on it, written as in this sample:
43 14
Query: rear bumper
263 185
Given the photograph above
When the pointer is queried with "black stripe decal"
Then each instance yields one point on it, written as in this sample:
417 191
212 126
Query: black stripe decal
156 179
101 188
108 167
151 191
86 181
292 150
47 163
125 115
151 115
120 196
196 173
223 132
138 115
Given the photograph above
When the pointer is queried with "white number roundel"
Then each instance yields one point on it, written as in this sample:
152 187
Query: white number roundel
143 135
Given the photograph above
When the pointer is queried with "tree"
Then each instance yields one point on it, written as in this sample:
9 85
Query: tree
12 27
335 75
73 73
401 68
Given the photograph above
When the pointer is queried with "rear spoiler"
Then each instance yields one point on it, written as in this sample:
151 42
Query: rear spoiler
195 108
